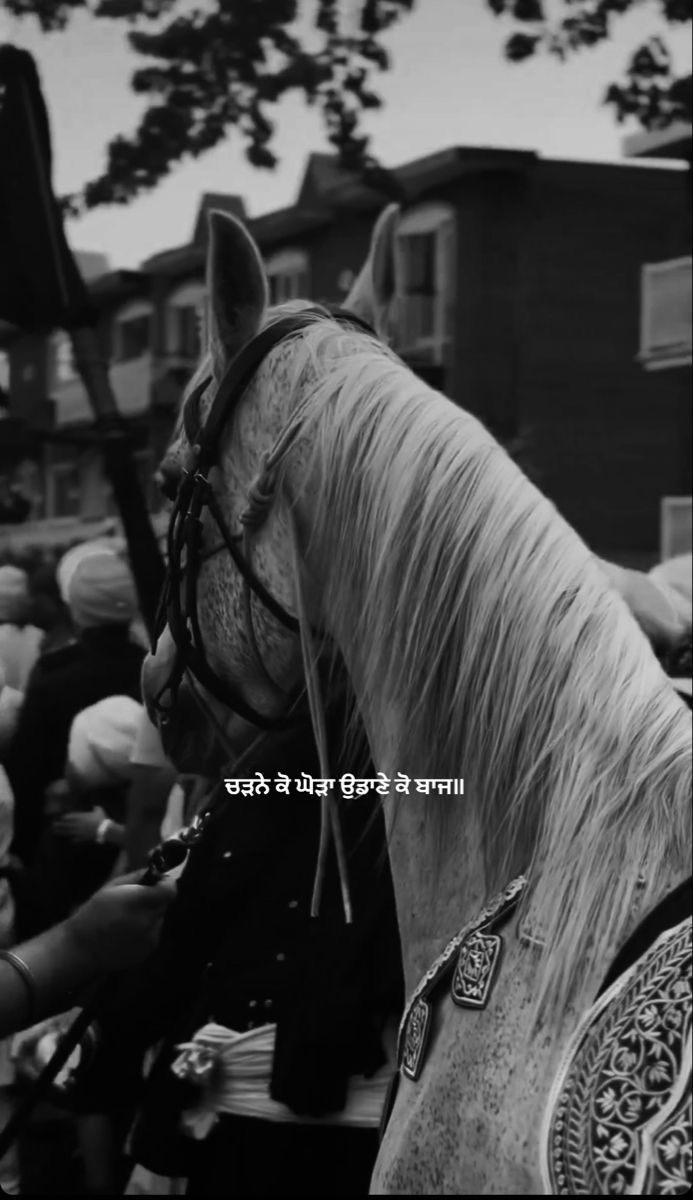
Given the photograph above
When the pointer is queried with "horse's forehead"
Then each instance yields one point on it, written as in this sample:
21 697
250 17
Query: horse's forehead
270 400
260 413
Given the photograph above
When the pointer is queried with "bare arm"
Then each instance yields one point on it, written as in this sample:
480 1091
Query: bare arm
661 614
59 969
117 928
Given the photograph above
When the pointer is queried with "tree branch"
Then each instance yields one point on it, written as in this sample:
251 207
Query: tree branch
650 91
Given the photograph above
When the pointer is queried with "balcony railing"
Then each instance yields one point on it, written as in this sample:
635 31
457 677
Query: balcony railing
665 316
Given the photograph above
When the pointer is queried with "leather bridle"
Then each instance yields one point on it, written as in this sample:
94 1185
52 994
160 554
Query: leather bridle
185 553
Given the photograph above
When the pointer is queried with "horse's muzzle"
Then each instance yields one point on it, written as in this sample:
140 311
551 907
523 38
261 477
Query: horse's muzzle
197 733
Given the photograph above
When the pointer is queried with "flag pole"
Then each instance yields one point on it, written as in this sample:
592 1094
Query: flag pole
46 291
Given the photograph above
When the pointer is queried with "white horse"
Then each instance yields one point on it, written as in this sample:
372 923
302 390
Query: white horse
483 642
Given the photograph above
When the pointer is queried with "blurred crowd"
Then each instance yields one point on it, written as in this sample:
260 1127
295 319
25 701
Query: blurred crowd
301 1012
71 726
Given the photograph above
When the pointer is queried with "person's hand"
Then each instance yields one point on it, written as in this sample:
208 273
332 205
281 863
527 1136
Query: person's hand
57 790
58 798
30 1048
79 826
120 925
662 614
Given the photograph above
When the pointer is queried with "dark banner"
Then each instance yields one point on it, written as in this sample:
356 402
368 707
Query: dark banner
40 285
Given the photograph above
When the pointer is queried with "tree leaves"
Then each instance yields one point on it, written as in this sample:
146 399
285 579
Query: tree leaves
220 67
676 11
50 14
521 46
649 91
528 10
213 70
132 10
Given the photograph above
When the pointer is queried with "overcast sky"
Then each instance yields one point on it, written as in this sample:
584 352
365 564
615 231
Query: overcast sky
449 85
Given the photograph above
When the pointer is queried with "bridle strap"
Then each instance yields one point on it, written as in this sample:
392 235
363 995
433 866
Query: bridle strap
240 373
246 571
185 528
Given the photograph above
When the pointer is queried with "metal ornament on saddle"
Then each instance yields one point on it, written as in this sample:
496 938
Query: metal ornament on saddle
619 1115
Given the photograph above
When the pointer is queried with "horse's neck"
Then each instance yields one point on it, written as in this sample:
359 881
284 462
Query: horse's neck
440 881
436 888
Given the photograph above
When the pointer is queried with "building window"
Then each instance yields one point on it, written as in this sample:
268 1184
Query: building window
133 338
186 321
424 280
665 314
419 264
67 490
676 535
63 365
288 276
144 462
132 332
185 332
4 372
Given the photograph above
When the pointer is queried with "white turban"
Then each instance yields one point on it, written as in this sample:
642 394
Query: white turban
14 594
97 586
71 560
101 741
10 703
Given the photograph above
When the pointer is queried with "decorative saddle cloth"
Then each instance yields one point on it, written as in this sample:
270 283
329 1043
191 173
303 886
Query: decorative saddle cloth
619 1115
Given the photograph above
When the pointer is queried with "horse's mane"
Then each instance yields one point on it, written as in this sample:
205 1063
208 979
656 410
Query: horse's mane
473 607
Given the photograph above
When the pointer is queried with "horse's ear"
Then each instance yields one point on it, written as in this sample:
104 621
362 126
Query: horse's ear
236 283
383 255
372 294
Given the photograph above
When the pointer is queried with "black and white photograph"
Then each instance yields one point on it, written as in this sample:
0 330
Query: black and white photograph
346 598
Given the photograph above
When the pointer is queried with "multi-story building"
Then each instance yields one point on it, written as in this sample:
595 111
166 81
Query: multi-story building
665 323
520 282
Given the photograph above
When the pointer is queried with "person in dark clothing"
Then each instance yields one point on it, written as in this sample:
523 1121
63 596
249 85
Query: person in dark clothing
101 661
83 843
240 950
48 610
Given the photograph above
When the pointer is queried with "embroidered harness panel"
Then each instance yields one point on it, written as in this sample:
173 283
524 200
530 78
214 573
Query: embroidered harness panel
473 972
619 1115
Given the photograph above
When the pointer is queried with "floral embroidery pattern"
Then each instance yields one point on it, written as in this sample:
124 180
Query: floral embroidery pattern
622 1121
